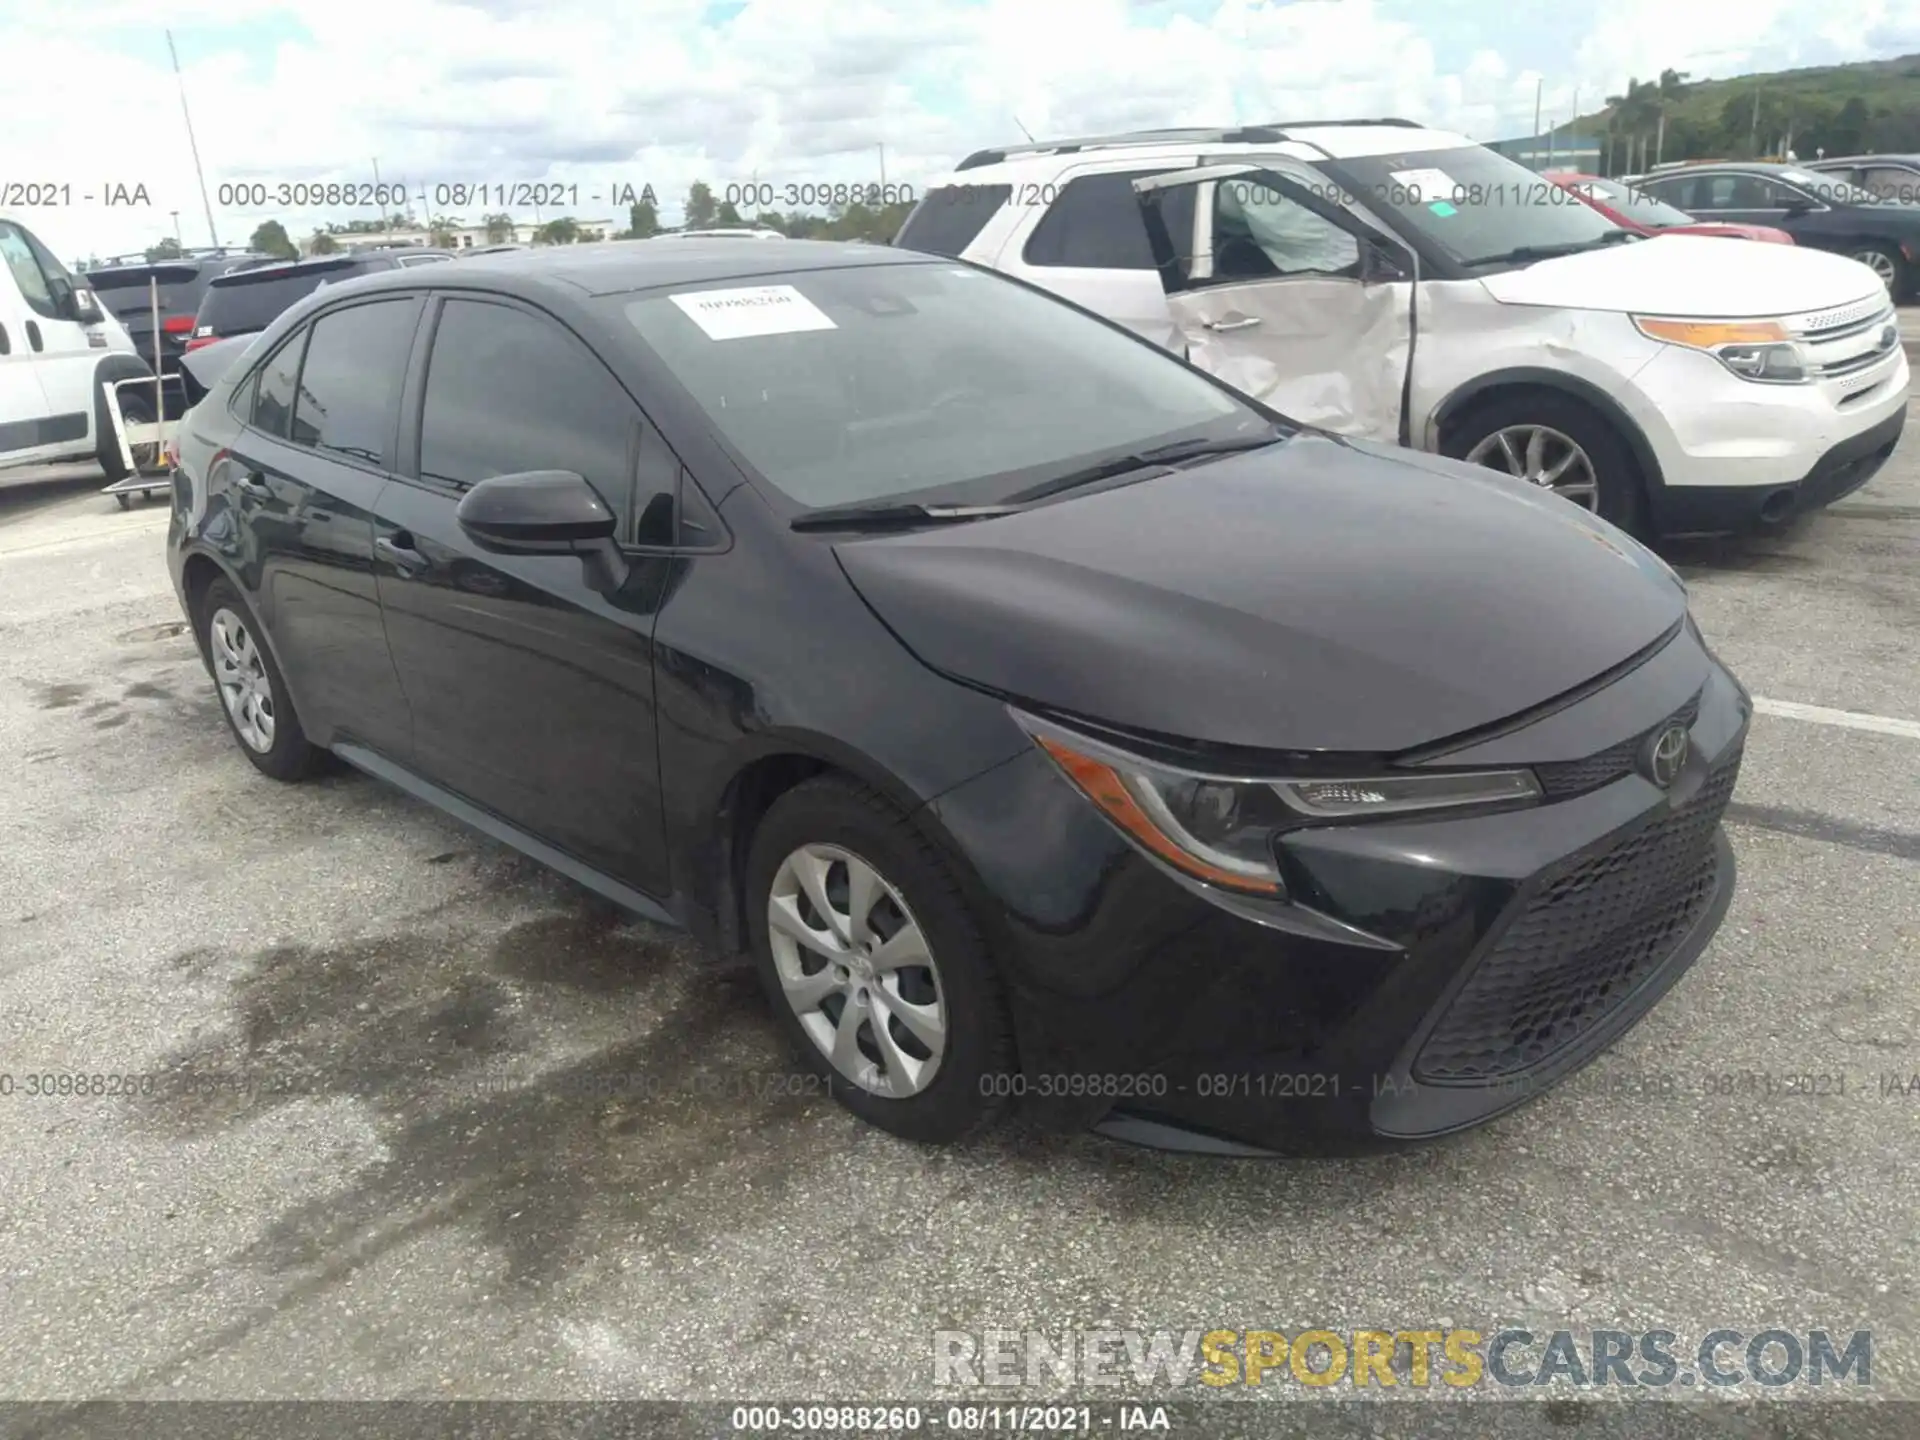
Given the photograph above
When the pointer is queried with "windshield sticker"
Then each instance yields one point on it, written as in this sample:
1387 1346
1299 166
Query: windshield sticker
1425 186
752 310
1442 209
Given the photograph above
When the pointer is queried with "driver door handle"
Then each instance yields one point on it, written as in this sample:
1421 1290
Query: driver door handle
398 550
1245 322
254 483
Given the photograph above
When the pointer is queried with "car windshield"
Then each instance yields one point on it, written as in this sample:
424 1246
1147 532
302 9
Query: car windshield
916 383
1473 203
1636 205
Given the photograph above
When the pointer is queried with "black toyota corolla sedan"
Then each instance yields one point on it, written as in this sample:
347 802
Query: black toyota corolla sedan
1051 724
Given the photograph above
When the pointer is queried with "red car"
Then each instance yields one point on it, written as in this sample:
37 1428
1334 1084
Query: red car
1634 209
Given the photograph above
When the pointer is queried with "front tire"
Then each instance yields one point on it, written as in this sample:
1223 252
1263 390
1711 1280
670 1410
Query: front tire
1889 265
874 964
253 694
1558 443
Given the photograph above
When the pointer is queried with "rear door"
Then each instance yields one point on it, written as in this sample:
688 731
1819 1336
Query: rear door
323 412
532 694
1284 293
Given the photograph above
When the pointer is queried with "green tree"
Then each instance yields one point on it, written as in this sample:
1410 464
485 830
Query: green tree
322 243
643 220
499 228
270 238
167 249
700 206
1848 133
727 215
771 220
440 231
563 231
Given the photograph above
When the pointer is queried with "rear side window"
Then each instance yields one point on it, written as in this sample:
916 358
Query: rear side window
509 391
350 384
950 217
1094 224
273 397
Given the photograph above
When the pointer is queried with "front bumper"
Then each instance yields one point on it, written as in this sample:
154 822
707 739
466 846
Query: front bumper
1724 509
1431 976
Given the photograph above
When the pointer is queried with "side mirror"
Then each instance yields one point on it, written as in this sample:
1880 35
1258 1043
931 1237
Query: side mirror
545 512
1382 263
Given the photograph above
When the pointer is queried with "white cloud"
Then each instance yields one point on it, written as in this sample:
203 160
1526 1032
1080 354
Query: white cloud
648 91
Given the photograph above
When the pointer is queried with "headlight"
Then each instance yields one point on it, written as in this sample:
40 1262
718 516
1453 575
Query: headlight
1220 828
1752 349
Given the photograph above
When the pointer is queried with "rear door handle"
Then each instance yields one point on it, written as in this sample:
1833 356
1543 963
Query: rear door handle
398 550
1245 322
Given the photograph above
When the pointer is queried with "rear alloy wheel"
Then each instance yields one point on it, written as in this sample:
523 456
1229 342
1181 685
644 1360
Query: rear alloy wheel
874 964
253 694
1558 443
1883 262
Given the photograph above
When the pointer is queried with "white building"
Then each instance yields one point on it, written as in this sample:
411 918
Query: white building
464 237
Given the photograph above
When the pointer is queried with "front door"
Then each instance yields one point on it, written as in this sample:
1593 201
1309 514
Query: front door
532 693
1286 295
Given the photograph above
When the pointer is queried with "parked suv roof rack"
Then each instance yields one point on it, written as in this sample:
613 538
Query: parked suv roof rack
191 252
1261 134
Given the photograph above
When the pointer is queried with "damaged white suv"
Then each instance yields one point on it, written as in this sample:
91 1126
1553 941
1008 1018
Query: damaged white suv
1379 279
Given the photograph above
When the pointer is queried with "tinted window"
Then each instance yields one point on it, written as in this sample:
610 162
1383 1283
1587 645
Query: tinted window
273 399
949 218
254 299
1094 224
1891 182
510 391
350 385
1634 203
890 380
125 291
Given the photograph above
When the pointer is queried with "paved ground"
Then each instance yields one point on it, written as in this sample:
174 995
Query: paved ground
487 1140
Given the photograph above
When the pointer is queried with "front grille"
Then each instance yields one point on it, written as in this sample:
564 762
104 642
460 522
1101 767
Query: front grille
1582 946
1563 778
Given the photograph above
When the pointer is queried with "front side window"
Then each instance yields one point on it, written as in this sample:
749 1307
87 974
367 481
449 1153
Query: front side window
509 391
26 271
1475 205
900 381
1890 182
1259 231
350 384
1800 187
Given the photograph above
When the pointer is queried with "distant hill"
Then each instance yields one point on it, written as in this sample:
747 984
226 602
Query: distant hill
1872 105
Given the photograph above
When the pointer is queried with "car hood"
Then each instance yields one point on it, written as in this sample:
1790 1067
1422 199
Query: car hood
1321 594
1690 275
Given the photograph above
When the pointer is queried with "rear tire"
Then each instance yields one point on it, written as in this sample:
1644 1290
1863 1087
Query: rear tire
252 692
861 1019
1618 491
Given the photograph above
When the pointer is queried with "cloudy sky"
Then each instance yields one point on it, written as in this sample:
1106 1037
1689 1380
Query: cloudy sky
664 92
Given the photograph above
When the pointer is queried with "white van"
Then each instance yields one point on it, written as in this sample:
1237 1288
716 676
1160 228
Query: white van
1379 279
59 351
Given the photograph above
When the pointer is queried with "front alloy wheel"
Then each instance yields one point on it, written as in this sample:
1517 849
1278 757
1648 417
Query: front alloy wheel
241 674
1541 456
857 970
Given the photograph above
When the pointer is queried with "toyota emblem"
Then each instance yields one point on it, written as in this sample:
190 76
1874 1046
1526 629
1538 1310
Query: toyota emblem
1666 755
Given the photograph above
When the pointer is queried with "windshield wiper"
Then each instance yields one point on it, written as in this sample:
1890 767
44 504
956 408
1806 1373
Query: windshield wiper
1523 253
1158 455
863 517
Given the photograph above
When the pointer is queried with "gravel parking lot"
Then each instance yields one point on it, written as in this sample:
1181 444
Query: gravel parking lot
473 1135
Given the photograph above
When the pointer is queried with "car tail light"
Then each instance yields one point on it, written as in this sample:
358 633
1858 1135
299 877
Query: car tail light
177 325
197 341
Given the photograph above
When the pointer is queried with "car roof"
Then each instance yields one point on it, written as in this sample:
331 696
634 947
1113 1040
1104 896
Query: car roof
1334 140
619 267
1885 159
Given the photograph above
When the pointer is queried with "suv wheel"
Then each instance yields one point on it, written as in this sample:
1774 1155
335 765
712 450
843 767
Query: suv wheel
874 964
1558 443
253 694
